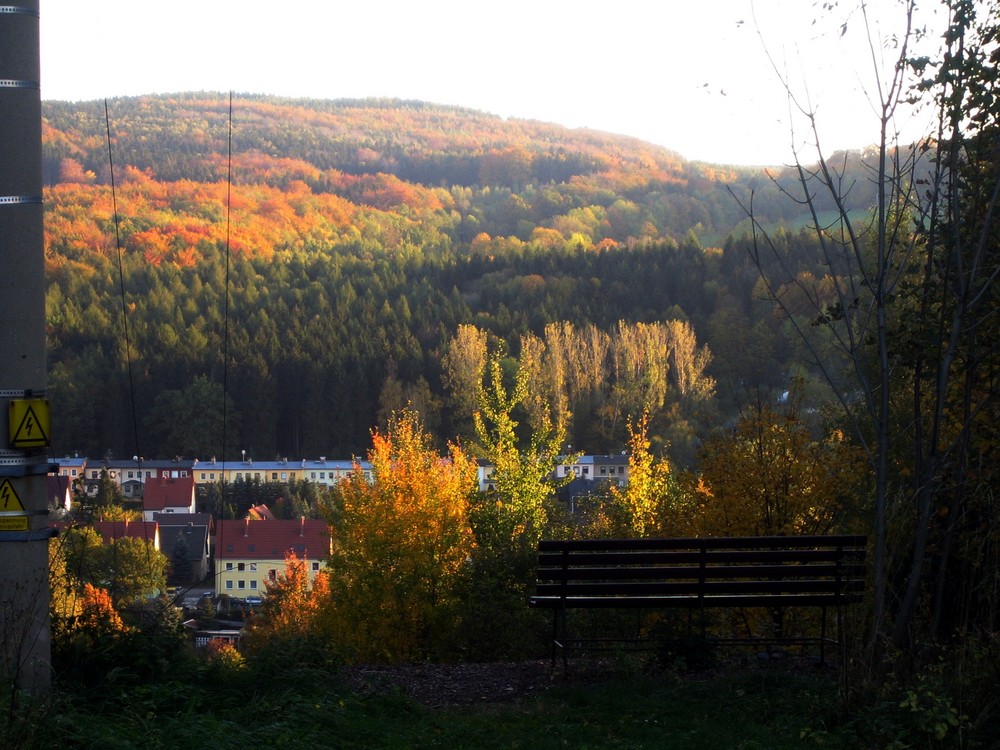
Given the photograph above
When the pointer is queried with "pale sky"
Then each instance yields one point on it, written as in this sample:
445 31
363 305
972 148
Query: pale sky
691 76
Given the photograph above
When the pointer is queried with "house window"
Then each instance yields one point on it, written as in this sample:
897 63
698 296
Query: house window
241 566
284 476
315 566
253 566
229 584
212 475
239 475
274 476
292 476
604 469
72 472
184 473
203 476
131 474
586 470
256 475
241 584
322 475
253 584
272 574
229 566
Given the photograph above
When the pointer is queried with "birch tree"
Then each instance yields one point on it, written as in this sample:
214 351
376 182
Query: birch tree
913 312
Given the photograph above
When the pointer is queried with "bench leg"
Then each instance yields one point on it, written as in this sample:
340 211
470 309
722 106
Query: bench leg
563 637
822 638
555 634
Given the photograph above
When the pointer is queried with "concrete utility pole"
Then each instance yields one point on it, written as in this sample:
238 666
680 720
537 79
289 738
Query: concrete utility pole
24 416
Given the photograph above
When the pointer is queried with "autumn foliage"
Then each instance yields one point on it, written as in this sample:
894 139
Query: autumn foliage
771 477
98 616
401 538
291 617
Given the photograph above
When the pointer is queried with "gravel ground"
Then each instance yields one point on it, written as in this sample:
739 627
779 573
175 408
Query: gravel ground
464 684
445 685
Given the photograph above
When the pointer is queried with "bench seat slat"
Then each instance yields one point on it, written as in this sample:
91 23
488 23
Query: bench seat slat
687 602
689 588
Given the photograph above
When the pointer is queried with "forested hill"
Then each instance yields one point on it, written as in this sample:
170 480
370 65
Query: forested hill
362 234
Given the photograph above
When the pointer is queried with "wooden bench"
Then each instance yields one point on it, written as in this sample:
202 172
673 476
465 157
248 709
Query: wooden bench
698 574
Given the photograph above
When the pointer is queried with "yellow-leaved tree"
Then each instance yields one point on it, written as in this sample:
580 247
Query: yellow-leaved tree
401 539
771 477
652 502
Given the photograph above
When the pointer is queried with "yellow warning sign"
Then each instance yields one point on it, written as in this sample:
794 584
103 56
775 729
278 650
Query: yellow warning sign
28 423
11 503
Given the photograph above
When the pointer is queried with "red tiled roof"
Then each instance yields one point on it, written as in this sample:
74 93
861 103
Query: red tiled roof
272 540
168 492
111 530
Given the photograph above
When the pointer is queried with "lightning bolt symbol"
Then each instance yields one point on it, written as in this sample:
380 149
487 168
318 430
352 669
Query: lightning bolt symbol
29 424
5 496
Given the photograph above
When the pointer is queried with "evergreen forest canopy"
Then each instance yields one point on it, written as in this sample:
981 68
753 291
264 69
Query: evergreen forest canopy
583 289
363 236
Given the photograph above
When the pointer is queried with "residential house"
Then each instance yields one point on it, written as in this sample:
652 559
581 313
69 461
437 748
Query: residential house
195 529
282 471
328 473
131 475
612 468
73 467
484 472
168 494
587 476
247 553
203 637
246 470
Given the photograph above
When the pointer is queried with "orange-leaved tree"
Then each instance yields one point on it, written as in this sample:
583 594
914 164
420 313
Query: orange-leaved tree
401 539
291 619
99 617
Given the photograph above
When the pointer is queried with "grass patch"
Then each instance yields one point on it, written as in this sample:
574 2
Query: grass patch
752 709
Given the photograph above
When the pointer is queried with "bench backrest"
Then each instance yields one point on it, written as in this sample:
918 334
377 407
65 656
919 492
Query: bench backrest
710 571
